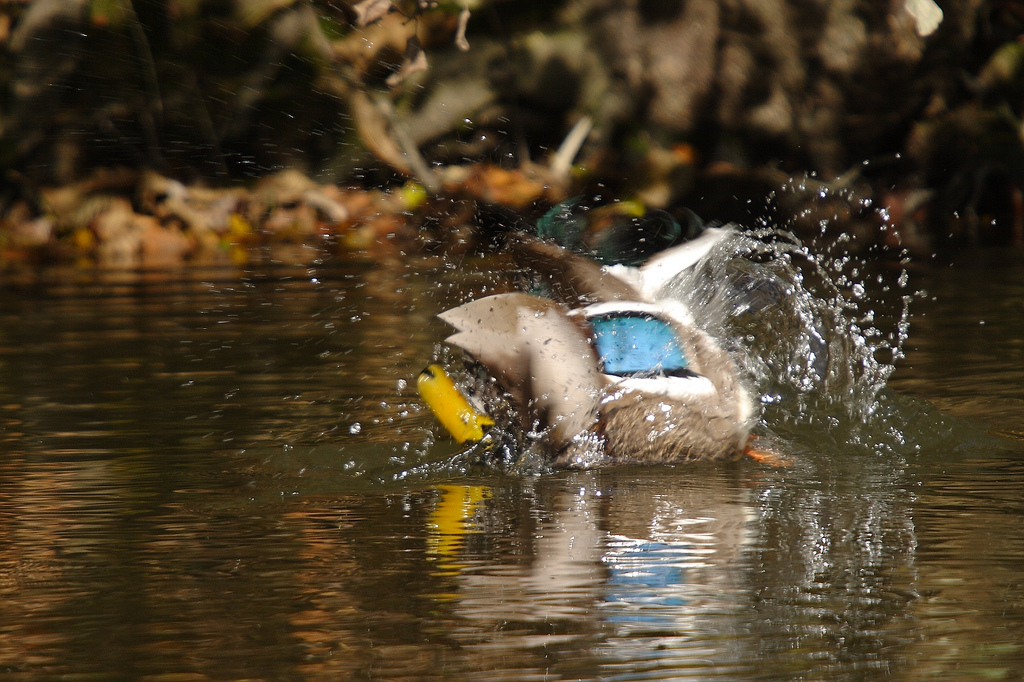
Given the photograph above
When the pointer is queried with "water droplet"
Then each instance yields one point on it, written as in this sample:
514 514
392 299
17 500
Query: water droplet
401 384
355 428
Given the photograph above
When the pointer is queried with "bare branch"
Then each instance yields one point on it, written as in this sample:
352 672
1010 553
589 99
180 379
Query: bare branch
423 172
373 132
570 147
460 35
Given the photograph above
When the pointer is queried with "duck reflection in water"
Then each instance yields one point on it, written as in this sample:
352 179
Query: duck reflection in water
624 555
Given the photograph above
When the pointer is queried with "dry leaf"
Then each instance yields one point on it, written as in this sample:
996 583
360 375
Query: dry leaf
369 11
415 61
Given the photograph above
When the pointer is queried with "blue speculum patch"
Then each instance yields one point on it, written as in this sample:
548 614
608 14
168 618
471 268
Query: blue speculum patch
634 343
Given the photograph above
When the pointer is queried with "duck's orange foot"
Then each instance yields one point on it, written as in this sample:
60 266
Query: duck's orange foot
764 452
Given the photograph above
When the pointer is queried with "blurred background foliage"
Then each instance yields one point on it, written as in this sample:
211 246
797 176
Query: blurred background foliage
903 114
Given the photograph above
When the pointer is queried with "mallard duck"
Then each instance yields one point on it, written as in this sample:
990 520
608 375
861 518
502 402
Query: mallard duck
609 370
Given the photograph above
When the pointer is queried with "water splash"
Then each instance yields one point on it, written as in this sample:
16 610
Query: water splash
816 334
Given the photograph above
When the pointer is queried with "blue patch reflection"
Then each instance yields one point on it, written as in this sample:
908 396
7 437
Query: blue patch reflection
639 573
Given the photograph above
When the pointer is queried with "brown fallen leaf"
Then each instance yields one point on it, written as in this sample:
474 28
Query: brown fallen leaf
512 188
414 61
369 11
163 245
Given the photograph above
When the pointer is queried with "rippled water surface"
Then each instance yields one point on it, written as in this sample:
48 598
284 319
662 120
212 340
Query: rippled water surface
225 474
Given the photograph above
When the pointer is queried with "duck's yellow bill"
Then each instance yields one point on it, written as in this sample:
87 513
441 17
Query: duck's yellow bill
451 408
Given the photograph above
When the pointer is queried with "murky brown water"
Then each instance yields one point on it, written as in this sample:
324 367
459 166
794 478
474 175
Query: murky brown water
226 475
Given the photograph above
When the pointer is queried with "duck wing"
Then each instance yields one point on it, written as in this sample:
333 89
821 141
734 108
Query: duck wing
539 354
663 267
579 281
574 279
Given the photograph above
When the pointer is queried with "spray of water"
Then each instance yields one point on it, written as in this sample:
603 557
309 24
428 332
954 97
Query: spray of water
817 335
